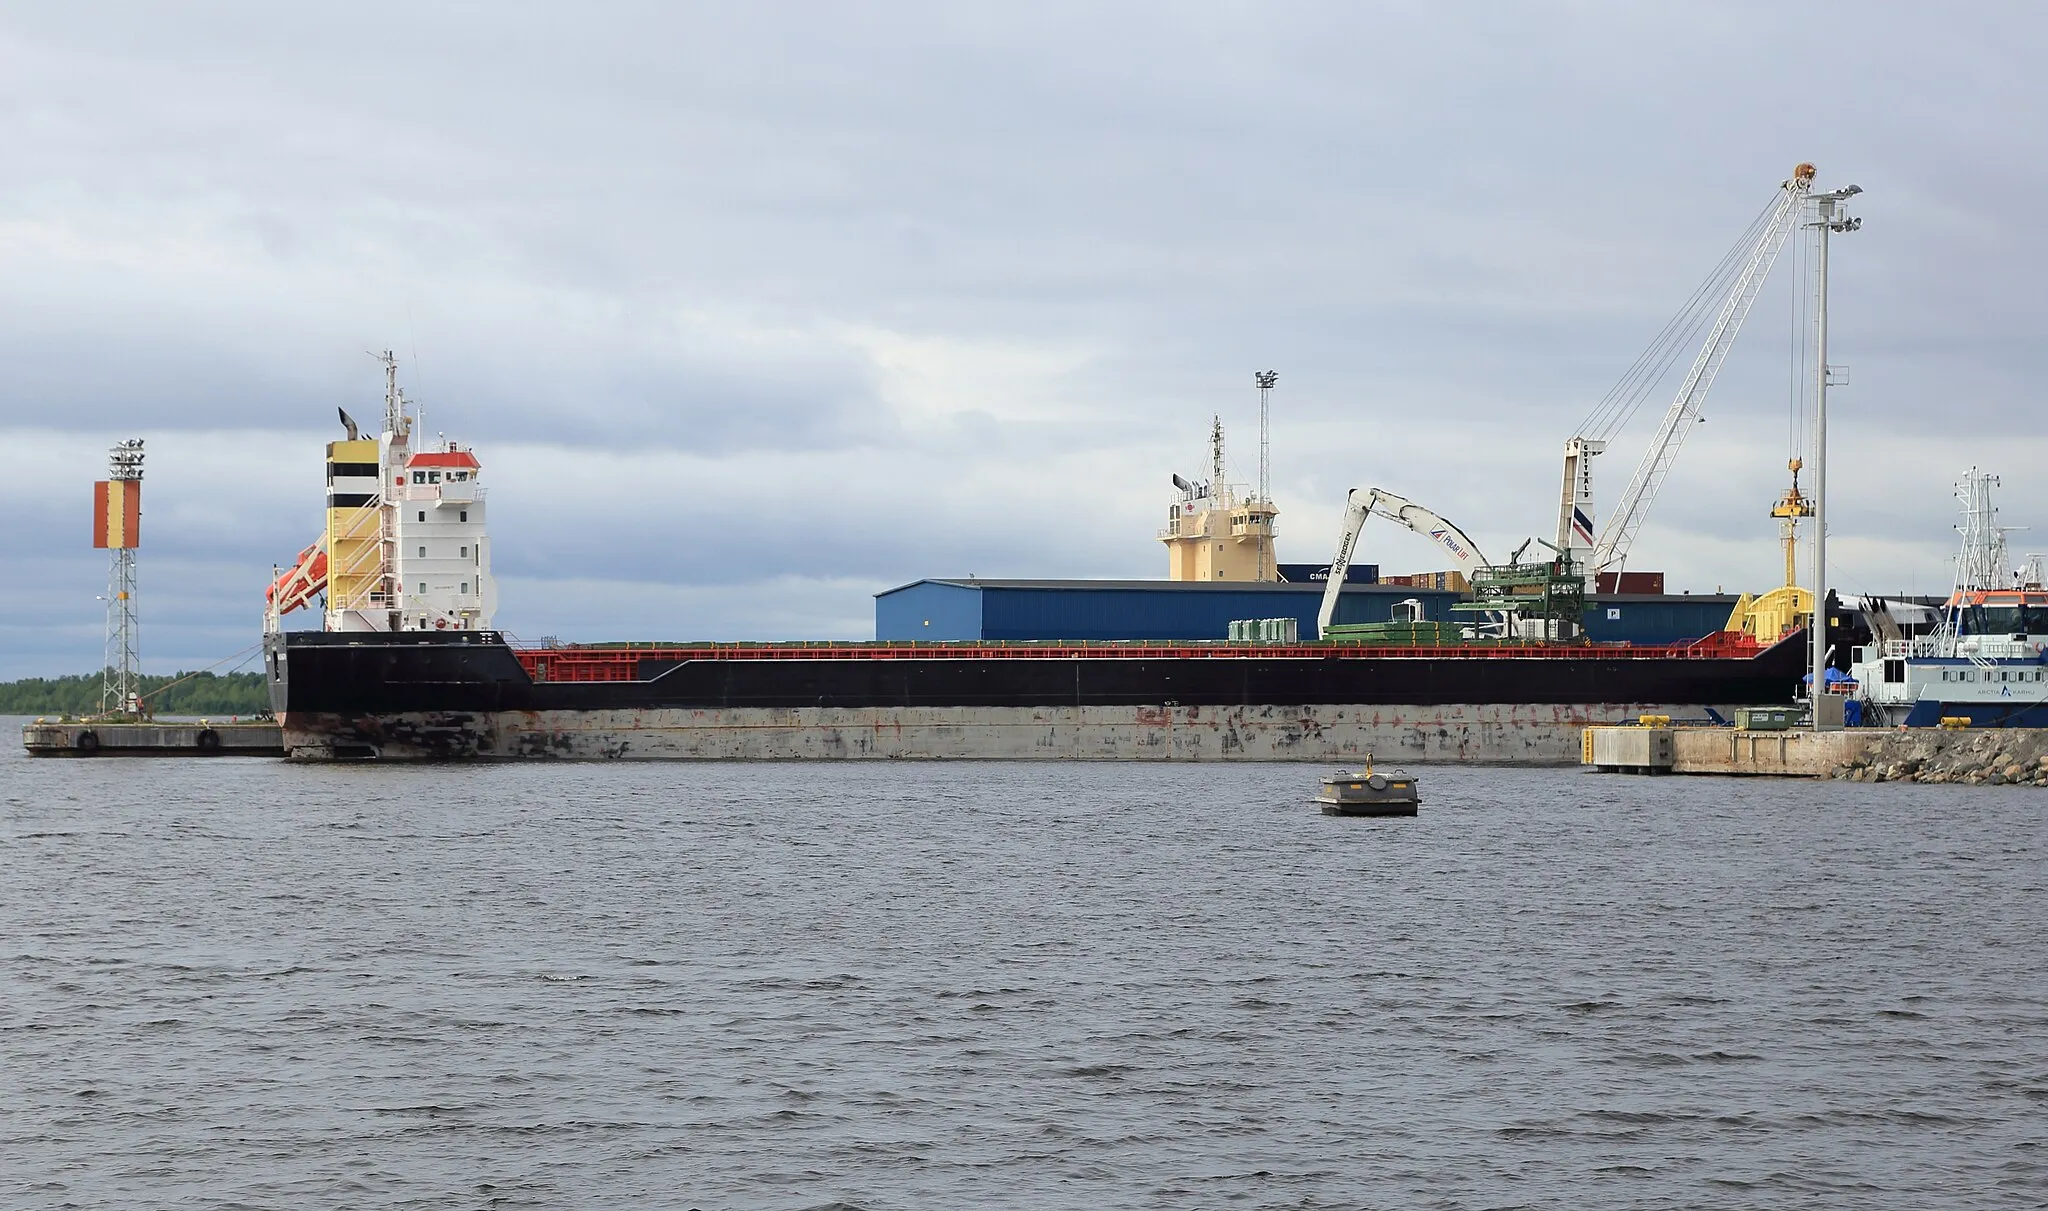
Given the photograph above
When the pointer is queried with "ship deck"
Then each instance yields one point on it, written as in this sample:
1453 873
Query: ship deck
624 661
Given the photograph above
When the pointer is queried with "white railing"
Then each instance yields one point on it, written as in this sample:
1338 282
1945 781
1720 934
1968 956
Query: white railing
1969 647
444 492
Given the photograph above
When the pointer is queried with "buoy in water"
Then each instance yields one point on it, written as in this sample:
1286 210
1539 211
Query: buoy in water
1369 792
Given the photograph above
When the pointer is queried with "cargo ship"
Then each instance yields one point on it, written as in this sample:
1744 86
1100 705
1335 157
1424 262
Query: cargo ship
407 666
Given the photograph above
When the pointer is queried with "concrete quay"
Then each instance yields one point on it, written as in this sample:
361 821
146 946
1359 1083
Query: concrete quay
2003 756
1721 750
104 738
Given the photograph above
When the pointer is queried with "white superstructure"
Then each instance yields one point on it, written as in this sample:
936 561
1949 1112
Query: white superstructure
1986 660
443 559
405 547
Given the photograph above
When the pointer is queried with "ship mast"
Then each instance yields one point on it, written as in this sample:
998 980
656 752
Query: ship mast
1218 492
1982 563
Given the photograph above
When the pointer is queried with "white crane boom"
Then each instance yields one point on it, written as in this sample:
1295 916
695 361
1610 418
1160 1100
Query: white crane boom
1366 502
1611 552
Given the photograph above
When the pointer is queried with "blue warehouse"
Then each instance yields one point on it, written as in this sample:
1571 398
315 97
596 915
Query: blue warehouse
1122 609
1036 610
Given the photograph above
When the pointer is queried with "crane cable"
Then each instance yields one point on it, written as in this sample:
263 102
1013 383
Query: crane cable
1802 318
1681 333
245 653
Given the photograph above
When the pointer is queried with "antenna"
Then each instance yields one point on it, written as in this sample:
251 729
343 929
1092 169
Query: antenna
394 399
1218 490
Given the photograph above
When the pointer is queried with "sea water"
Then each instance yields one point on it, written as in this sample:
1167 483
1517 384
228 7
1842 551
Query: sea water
241 983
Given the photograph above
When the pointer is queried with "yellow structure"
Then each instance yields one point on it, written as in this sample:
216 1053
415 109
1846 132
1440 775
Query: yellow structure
1769 617
1790 508
1788 607
1211 535
356 564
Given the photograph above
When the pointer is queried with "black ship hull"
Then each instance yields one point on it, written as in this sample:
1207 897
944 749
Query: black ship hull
435 694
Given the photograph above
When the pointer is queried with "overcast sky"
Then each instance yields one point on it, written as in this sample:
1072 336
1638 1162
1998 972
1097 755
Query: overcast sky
754 310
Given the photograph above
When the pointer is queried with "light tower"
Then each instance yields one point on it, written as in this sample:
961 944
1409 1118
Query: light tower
1830 220
116 526
1265 379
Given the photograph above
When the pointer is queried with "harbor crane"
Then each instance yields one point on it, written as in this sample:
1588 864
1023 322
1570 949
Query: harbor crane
1369 502
1739 277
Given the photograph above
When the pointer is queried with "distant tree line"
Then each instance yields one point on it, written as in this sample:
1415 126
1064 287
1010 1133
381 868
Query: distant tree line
202 694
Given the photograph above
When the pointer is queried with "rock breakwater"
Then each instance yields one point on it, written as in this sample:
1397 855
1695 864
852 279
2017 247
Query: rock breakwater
2013 756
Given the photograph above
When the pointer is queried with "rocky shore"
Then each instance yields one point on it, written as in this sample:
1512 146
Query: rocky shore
1987 758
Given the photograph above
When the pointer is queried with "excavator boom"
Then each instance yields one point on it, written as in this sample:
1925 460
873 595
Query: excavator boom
1366 502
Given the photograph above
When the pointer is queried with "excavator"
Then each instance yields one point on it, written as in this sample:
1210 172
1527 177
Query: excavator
1369 502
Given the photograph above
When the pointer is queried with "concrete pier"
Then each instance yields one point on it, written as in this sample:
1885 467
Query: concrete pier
1995 756
101 738
1722 750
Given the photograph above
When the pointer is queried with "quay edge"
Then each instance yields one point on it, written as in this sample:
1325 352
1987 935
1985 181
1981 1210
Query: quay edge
2016 756
204 738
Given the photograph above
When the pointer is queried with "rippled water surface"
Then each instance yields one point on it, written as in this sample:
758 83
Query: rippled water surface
239 983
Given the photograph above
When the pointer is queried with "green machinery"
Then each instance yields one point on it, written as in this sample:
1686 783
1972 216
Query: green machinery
1543 600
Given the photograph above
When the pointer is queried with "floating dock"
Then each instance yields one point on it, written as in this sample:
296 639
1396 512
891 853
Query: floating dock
122 738
1996 756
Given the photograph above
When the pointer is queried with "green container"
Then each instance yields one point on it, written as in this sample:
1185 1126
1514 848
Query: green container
1766 718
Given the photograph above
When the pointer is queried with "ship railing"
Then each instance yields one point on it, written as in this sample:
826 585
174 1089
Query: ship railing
1971 648
461 492
623 662
2001 649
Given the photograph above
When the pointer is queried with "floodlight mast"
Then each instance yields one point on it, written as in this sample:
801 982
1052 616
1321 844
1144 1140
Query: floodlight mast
1829 220
1265 380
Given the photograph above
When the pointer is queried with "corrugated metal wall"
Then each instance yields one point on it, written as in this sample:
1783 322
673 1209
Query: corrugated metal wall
935 610
1656 619
943 610
929 610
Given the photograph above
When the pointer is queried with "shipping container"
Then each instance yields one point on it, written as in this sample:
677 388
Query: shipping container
1628 582
1319 573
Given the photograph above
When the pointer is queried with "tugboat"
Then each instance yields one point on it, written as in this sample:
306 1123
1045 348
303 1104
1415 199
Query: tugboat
1986 660
1369 793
